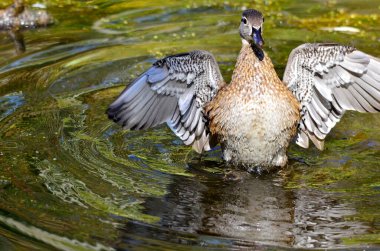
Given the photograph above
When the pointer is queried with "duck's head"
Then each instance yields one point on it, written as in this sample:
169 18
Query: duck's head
251 29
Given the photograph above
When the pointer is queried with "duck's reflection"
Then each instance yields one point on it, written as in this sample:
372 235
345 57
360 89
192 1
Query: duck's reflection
254 209
18 41
17 18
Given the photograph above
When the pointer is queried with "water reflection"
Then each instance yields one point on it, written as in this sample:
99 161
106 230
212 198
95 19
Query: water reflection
255 210
320 220
18 17
18 41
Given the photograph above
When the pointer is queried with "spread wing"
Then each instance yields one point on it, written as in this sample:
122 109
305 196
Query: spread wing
174 90
329 79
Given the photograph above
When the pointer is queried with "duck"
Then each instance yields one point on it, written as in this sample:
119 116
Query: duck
15 9
18 16
257 115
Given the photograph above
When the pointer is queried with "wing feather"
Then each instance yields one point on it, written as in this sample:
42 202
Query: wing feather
174 90
327 80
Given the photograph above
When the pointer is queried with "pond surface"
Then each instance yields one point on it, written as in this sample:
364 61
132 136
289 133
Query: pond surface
70 179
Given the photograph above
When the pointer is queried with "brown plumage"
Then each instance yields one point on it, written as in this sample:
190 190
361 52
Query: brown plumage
256 116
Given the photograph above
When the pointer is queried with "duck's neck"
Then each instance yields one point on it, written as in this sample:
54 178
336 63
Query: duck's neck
19 6
15 9
250 69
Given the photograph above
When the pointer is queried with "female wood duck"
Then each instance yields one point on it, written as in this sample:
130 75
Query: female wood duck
255 117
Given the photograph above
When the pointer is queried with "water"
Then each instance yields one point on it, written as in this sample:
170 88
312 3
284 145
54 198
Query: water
70 179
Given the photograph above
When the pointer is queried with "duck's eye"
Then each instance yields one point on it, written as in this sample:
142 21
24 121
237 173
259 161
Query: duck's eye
244 20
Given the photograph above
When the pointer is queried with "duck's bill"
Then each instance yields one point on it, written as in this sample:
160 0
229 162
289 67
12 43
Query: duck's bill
257 38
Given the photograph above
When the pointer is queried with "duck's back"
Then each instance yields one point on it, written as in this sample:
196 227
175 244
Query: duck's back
255 116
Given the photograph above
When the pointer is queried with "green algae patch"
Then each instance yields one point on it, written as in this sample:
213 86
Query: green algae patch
362 240
320 177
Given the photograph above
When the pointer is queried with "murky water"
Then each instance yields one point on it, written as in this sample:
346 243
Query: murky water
70 179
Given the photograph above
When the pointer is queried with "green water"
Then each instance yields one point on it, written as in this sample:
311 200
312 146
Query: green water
70 179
